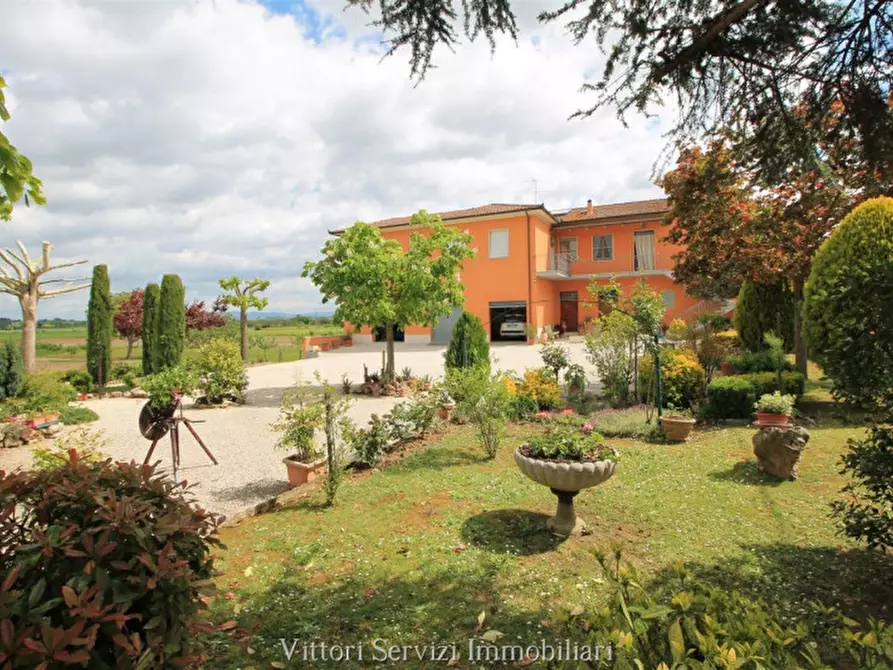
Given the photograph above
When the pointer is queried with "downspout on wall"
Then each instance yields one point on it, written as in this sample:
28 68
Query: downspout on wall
529 274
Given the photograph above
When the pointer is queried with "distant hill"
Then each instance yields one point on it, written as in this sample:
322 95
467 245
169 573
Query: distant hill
254 316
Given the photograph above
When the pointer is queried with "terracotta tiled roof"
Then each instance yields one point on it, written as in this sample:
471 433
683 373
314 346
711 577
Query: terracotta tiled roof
483 210
618 209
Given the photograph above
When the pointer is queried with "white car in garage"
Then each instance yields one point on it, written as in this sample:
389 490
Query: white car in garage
513 326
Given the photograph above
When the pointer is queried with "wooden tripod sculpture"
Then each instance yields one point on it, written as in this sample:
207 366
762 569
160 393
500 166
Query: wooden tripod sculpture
169 423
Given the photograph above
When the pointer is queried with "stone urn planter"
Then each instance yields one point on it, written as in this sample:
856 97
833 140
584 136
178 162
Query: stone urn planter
677 428
565 479
302 473
778 449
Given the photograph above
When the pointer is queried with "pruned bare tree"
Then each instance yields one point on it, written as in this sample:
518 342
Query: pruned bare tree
25 282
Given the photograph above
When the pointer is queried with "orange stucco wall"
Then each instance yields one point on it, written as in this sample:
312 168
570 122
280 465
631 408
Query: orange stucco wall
515 278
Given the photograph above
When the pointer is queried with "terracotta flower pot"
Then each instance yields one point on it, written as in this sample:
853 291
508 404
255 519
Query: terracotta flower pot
324 346
531 341
727 368
677 428
348 342
565 479
302 473
769 419
445 413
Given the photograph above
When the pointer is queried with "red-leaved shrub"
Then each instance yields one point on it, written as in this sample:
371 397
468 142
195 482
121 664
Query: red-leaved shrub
104 564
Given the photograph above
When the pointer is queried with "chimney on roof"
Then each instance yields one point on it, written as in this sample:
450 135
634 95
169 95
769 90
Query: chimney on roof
589 206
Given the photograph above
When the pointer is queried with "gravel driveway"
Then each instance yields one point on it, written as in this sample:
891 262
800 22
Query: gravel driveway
250 470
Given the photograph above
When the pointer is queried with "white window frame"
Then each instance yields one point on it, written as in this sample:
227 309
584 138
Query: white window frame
576 254
611 258
490 242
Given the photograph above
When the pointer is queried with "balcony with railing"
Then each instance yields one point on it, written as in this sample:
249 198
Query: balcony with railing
568 265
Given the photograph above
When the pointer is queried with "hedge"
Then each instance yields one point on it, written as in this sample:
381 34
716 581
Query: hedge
733 397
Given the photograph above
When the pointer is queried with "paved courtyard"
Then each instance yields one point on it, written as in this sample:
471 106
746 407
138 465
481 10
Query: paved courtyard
250 469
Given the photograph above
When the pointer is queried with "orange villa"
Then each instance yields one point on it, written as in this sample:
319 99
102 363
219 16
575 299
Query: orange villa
533 266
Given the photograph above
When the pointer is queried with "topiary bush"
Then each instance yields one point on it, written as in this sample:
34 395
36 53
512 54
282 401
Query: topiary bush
792 383
468 344
79 379
730 398
91 582
171 326
12 372
221 372
848 324
99 326
682 377
761 308
759 361
149 336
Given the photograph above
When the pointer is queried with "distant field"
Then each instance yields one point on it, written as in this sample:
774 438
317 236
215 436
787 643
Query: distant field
285 348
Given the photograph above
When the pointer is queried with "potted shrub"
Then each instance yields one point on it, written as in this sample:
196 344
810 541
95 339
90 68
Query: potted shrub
568 458
447 407
348 338
575 376
300 416
727 368
774 409
530 330
677 424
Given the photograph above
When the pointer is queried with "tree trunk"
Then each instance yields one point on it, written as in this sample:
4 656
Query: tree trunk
389 358
243 328
129 348
29 332
799 341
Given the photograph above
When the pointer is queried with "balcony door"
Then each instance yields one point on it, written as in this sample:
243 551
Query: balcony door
643 251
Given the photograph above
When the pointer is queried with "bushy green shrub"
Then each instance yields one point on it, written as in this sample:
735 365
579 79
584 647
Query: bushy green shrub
488 414
609 349
766 360
540 387
161 385
371 442
682 378
734 397
681 621
848 325
465 386
220 372
761 308
79 379
867 513
468 344
301 415
99 326
12 373
730 398
104 586
46 392
171 326
72 416
149 335
792 383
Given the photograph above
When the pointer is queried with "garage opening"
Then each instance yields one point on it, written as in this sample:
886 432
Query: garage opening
508 321
382 336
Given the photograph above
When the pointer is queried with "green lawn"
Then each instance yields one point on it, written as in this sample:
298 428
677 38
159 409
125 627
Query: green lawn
414 552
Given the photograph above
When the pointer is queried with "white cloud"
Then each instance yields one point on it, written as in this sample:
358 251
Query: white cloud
218 138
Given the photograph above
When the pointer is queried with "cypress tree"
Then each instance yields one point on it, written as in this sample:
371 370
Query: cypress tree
99 326
149 337
11 370
171 326
468 344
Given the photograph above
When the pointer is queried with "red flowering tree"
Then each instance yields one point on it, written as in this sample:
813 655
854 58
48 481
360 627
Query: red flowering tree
199 318
128 318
